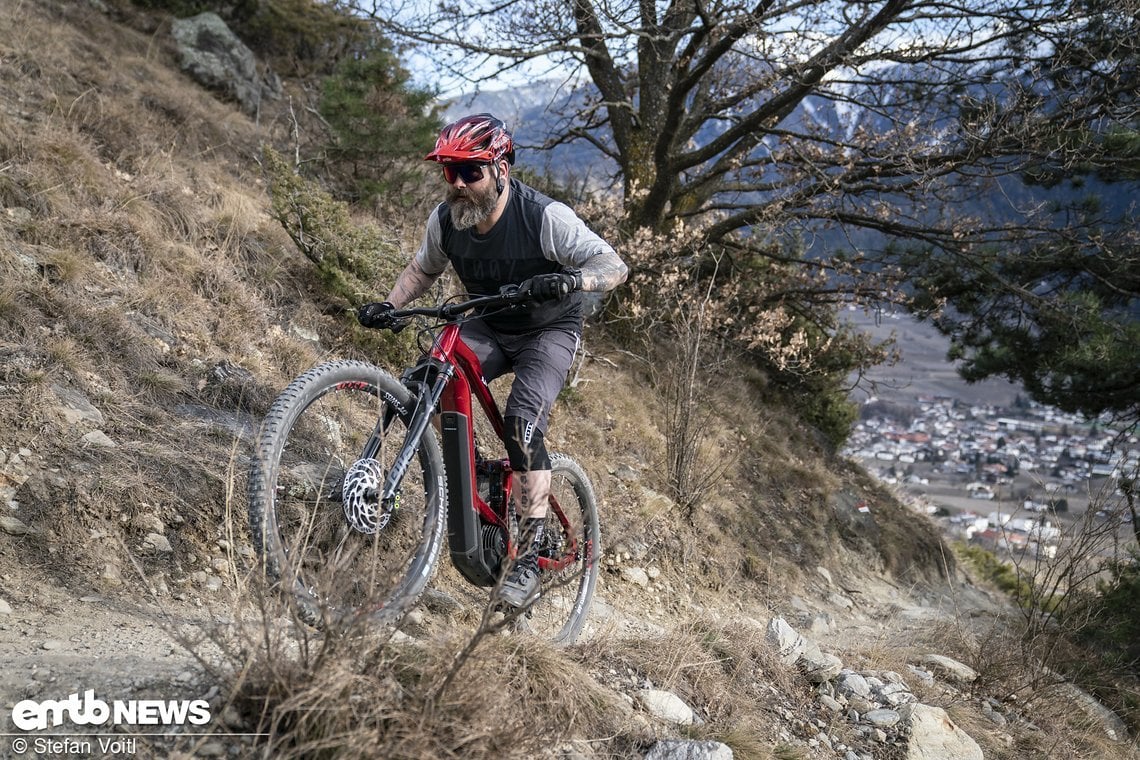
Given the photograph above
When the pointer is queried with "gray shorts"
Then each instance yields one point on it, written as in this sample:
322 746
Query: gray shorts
540 360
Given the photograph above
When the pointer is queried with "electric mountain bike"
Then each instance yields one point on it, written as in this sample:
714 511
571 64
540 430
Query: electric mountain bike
351 489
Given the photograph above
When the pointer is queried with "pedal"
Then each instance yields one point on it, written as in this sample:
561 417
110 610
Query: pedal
497 620
503 609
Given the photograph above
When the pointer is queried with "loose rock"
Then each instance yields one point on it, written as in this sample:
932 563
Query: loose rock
933 736
666 706
950 668
678 749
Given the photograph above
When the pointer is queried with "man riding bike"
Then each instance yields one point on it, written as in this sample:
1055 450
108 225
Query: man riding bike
496 231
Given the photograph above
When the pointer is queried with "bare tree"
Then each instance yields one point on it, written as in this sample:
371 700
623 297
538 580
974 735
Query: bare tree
911 134
701 104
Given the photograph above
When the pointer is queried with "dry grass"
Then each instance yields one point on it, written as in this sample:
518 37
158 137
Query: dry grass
361 693
138 260
725 671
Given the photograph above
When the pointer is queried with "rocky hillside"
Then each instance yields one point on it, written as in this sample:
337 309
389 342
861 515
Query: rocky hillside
150 309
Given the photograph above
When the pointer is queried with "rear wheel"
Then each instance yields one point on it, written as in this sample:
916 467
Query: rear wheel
569 556
338 552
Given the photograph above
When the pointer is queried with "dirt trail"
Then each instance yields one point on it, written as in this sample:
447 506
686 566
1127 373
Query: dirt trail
57 641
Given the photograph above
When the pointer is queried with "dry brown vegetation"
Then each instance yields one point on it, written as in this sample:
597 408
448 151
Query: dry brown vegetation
140 269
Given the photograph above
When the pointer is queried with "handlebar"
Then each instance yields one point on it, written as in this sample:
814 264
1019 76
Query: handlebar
449 312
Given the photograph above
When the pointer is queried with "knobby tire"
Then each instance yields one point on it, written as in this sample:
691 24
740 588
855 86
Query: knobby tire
312 434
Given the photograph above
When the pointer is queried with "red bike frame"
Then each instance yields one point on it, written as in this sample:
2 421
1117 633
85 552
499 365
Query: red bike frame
450 349
477 532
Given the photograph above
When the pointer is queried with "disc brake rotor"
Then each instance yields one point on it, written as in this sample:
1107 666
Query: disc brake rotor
361 497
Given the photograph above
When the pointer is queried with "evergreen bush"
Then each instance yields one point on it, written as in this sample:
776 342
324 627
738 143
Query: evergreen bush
378 119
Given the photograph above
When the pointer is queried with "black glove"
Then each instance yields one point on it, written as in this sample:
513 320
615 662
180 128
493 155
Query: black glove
551 287
377 316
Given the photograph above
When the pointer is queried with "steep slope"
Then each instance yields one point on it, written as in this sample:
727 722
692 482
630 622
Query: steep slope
150 308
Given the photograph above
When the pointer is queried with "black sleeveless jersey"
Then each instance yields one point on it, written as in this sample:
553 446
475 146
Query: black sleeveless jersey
535 235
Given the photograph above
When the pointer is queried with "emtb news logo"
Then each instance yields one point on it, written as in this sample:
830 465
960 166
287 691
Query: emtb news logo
30 715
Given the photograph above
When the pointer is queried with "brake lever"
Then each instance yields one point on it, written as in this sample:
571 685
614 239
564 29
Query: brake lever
513 294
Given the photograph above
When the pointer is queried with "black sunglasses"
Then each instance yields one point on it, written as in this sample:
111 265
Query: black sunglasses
468 172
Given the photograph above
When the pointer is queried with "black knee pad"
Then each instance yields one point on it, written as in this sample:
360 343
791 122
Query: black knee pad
526 447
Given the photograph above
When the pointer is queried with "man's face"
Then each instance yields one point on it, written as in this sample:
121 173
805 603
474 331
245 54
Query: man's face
471 200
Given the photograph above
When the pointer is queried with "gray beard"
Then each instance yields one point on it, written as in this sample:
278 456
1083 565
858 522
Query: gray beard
471 209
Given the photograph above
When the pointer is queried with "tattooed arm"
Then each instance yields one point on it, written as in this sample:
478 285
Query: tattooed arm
567 240
603 271
424 269
412 283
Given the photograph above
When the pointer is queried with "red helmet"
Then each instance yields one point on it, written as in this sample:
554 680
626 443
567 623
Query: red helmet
480 138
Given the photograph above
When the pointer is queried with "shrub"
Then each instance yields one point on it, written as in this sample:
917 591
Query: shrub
1116 629
298 38
1001 574
824 405
377 119
759 306
356 262
182 8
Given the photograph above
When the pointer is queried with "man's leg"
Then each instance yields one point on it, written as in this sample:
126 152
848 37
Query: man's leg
541 362
531 489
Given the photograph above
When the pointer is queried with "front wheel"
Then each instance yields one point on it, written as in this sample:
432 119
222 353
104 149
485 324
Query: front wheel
325 537
568 556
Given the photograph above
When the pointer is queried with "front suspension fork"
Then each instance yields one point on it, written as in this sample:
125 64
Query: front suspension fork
427 394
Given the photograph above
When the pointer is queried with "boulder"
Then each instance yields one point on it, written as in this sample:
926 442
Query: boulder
214 56
950 668
666 706
1113 727
787 641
